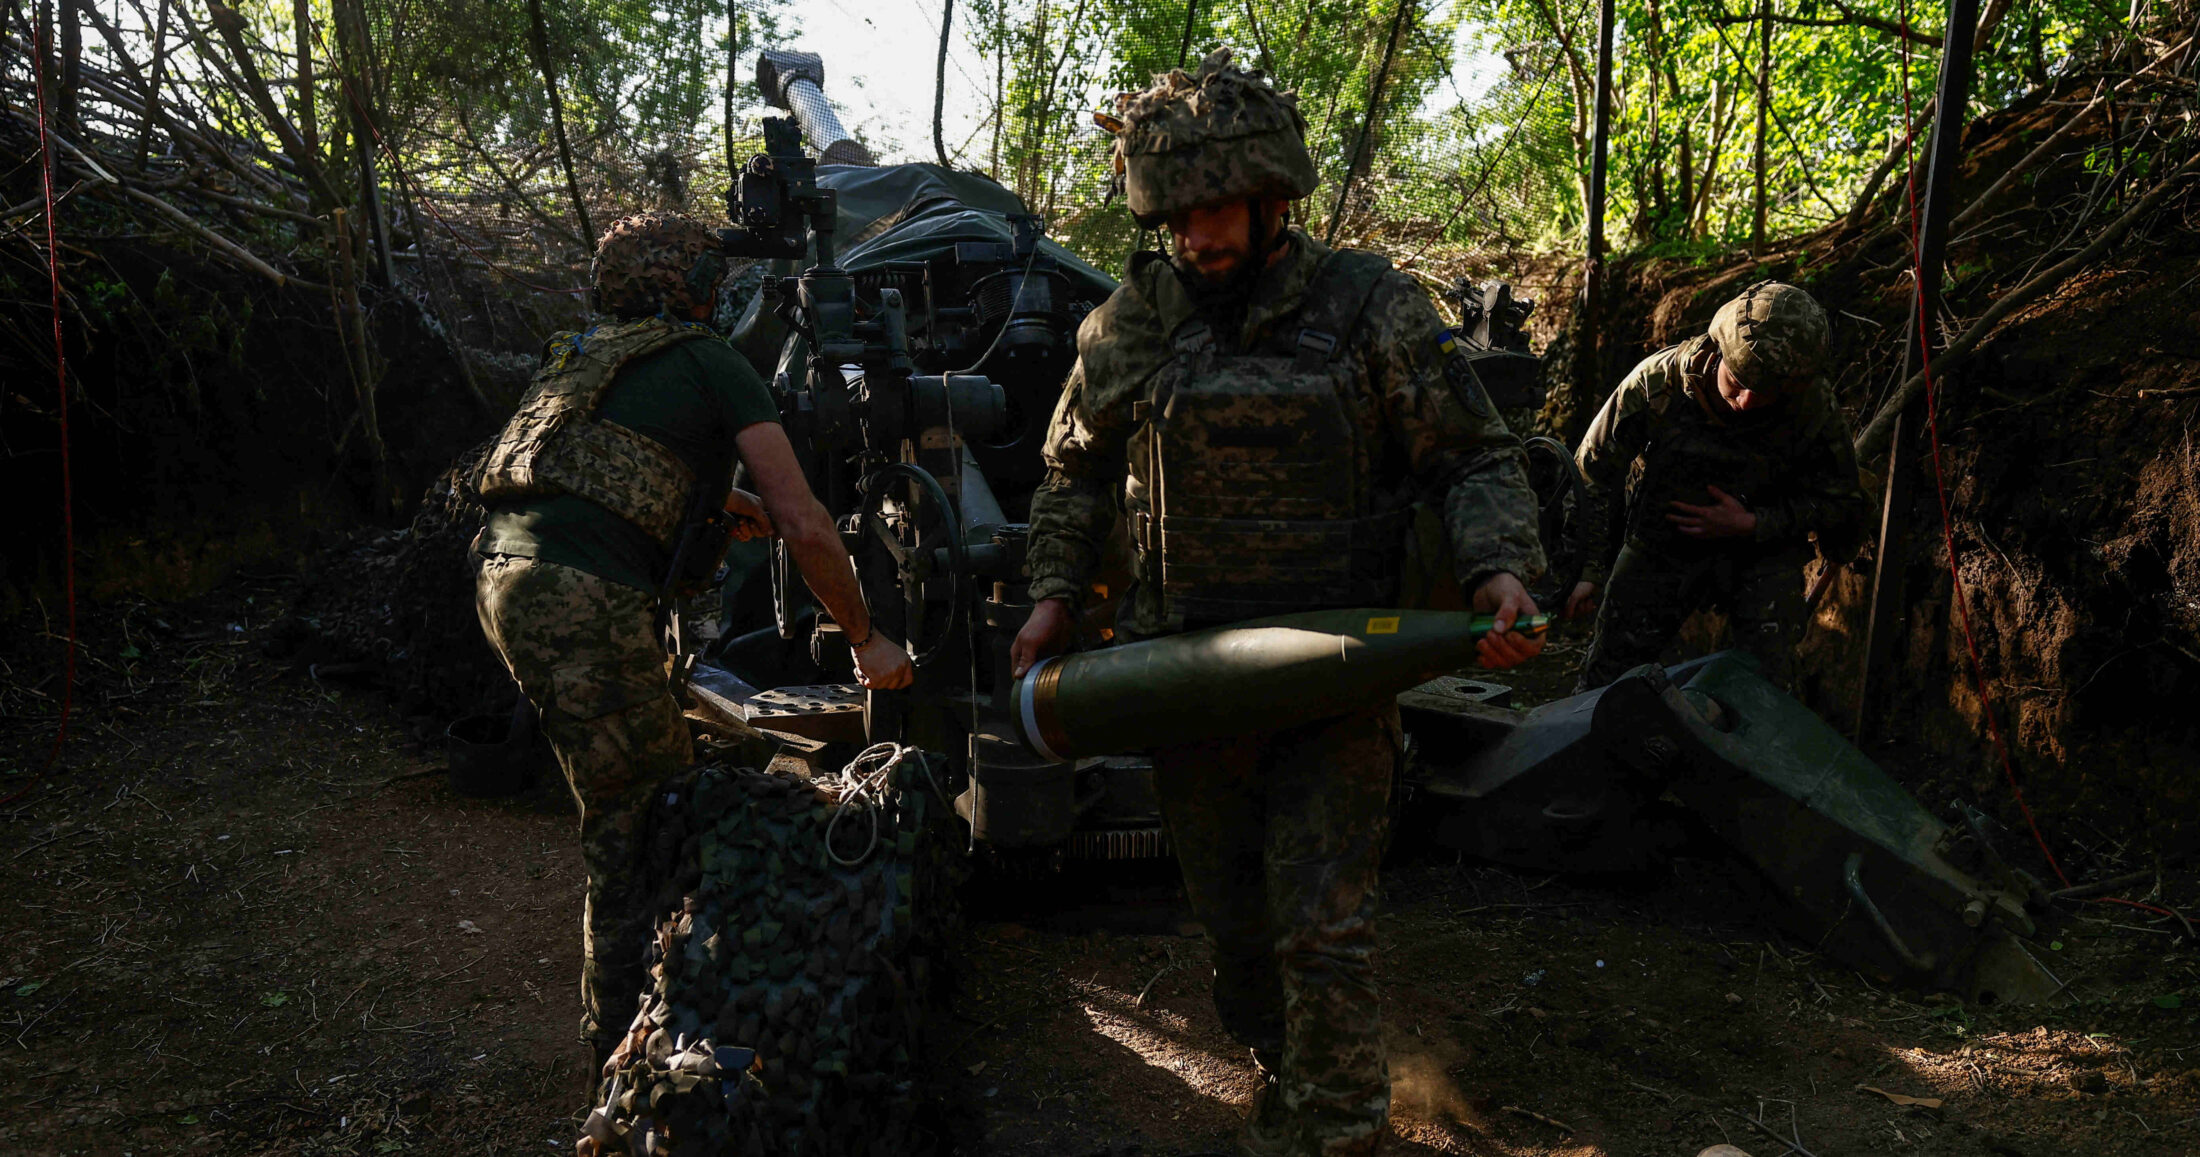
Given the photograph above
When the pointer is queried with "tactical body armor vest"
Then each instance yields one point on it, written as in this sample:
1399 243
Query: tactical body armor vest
1692 451
1250 491
555 443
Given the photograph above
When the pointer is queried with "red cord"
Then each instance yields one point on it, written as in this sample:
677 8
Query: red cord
61 381
1940 490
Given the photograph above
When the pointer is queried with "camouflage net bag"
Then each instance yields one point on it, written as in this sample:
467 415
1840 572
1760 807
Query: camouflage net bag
785 1005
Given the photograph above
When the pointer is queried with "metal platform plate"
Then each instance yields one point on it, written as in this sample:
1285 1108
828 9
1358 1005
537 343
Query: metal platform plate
832 712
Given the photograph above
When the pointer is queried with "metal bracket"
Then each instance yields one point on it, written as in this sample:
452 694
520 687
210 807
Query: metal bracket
1852 873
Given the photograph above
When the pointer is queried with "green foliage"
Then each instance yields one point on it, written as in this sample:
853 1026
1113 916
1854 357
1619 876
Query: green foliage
1458 132
1480 137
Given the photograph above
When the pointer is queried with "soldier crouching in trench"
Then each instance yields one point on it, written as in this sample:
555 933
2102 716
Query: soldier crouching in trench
586 491
1267 410
1744 455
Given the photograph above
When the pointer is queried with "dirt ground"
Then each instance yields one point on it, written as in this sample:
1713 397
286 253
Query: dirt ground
248 915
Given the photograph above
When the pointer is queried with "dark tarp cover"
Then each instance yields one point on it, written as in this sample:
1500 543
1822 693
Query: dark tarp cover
912 212
916 212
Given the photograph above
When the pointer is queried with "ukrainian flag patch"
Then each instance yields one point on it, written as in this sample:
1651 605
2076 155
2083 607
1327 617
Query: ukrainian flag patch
1447 342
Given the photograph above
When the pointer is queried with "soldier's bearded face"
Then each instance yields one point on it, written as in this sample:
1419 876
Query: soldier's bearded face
1213 242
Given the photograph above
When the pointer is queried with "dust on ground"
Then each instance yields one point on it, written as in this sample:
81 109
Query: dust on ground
249 916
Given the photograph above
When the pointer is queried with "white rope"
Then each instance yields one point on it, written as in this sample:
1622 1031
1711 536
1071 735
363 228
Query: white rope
870 770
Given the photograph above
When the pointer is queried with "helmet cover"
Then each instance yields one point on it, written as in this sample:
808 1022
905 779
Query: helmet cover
1771 336
649 262
1205 137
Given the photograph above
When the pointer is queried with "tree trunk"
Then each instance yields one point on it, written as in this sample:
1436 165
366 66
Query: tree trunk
541 34
1722 122
351 323
352 35
1368 120
1000 80
733 56
1764 110
1687 173
309 125
511 183
72 70
41 62
230 25
939 84
1577 79
152 87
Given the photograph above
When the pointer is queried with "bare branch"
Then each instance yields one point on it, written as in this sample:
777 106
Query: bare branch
1852 20
1873 440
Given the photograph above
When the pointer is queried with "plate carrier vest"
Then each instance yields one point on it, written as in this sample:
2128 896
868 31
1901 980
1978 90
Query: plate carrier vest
1249 492
555 443
1693 451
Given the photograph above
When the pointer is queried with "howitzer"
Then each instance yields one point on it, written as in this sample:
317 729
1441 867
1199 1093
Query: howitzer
1493 337
916 371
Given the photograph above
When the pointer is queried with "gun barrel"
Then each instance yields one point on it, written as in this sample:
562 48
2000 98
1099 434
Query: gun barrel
1239 679
795 81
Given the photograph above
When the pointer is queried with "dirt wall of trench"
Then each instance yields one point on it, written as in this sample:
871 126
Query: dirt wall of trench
2070 470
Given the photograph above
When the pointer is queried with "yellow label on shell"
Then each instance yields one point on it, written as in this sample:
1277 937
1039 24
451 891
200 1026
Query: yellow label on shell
1383 626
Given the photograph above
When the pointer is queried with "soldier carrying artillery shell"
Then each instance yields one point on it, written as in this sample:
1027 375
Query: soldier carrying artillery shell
1744 456
630 428
1265 412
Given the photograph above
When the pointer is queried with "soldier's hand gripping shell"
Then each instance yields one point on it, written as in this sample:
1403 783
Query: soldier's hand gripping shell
1503 596
1045 635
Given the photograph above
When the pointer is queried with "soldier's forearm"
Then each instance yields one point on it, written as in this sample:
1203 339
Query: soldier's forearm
823 560
1492 516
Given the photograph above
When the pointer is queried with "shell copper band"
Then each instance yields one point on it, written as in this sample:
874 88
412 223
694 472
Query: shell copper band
1042 724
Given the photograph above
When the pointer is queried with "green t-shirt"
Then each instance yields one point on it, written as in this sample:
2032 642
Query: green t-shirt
692 398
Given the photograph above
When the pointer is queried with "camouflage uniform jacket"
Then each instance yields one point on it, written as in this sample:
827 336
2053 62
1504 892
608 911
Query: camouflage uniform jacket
1437 438
1792 466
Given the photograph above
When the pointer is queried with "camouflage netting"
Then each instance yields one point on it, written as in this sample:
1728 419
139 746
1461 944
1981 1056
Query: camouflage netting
398 608
789 985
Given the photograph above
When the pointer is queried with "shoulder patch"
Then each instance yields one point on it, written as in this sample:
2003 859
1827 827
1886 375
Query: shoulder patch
1466 385
1447 342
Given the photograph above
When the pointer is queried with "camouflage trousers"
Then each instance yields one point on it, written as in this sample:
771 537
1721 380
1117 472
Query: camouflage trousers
1651 594
1280 837
586 654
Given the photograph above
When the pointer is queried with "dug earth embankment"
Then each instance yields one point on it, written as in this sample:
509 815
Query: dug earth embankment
2065 459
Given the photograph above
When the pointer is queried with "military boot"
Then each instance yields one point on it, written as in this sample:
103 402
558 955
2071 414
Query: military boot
601 1042
1265 1132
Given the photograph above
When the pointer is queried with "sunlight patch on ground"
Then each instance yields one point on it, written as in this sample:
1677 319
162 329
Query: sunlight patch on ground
1421 1085
1153 1035
2042 1063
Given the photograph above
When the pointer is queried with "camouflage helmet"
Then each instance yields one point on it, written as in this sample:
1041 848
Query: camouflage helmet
652 261
1772 335
1215 134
